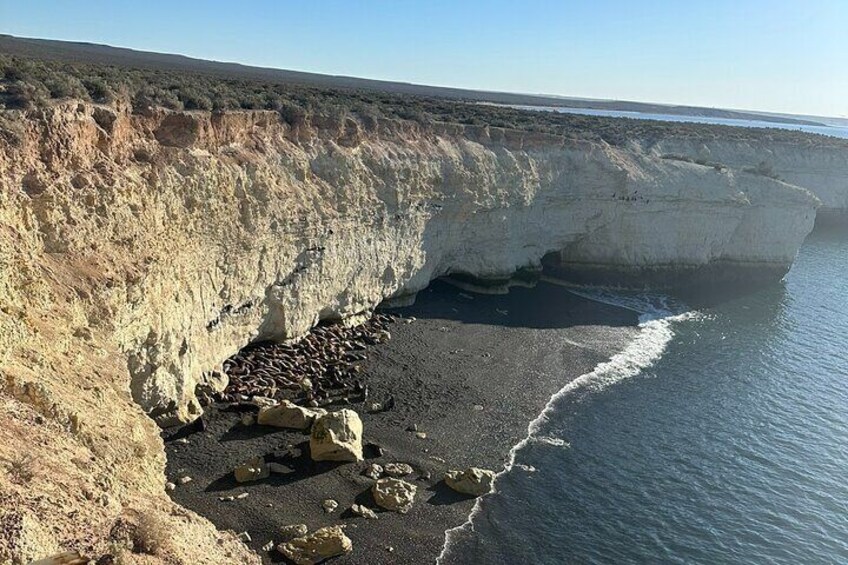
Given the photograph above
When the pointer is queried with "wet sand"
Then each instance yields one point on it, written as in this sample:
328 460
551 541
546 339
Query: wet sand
505 353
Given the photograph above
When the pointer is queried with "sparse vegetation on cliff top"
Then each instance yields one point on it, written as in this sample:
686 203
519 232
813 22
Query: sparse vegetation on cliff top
27 82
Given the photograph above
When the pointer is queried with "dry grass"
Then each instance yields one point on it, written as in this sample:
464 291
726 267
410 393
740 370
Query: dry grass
22 468
151 534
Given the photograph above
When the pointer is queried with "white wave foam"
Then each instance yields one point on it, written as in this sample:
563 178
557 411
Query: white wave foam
656 316
552 441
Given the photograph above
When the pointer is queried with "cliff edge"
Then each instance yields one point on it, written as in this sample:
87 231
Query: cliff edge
139 250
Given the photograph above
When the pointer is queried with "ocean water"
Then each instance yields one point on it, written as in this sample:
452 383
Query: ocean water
719 436
831 130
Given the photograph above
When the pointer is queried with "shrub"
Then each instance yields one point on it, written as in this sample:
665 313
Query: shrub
99 90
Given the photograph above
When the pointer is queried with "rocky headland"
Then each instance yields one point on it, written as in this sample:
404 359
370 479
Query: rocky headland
140 250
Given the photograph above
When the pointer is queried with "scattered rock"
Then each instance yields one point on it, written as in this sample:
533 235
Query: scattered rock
184 480
393 494
472 481
373 471
268 546
293 531
316 547
226 498
438 459
398 470
242 495
412 428
364 511
375 407
329 505
425 476
337 436
278 468
245 537
263 401
306 385
253 470
170 487
182 441
421 435
478 407
289 415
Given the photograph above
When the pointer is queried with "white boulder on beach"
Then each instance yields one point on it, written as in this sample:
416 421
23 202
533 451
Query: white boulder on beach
473 481
316 547
337 436
392 494
289 415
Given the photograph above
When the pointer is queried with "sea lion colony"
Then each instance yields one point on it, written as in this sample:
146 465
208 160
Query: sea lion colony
319 370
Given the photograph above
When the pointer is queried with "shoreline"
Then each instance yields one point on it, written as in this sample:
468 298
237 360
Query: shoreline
507 354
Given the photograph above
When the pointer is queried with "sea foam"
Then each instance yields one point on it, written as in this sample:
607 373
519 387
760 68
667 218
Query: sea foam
657 314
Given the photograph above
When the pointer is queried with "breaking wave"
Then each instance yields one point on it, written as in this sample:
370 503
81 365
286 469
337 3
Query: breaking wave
657 315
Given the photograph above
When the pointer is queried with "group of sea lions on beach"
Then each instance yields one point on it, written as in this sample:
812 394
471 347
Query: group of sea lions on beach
320 369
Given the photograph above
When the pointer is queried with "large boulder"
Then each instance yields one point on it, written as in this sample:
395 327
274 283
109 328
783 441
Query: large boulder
392 494
288 415
316 547
337 436
472 481
255 469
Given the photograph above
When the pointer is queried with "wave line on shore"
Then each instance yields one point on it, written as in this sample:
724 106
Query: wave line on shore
656 316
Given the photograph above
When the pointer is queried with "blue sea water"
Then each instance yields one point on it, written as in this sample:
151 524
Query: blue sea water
831 130
720 436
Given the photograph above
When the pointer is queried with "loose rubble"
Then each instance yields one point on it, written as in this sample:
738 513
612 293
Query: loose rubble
329 505
254 469
373 471
398 470
364 511
293 531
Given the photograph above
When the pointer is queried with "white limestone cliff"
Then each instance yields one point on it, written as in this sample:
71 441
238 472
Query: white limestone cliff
137 252
818 164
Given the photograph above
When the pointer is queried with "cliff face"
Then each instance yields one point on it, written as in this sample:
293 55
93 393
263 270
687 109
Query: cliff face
815 165
138 252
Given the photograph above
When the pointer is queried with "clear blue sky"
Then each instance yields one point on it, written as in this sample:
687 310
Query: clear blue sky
776 55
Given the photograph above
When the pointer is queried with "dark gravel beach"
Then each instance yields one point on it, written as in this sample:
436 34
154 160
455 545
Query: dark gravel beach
470 372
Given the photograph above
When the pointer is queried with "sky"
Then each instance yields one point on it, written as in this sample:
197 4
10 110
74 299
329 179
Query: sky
777 55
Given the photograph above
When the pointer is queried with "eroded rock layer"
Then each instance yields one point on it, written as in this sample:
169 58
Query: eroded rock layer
137 252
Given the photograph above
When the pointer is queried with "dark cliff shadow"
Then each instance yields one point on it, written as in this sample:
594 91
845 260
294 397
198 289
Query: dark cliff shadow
443 494
543 306
297 465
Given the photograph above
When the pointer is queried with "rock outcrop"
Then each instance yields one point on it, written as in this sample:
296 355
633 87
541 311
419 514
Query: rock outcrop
819 165
137 252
